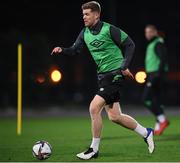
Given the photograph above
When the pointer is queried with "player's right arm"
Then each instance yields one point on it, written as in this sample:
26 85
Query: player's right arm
76 48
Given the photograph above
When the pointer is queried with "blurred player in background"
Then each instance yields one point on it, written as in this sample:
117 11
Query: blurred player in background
156 68
112 50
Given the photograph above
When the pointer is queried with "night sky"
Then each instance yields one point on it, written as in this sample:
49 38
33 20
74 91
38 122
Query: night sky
41 25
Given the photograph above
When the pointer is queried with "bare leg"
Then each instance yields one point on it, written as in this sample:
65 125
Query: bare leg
95 109
115 115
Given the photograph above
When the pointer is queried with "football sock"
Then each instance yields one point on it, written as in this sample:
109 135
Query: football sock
141 130
95 144
157 126
161 118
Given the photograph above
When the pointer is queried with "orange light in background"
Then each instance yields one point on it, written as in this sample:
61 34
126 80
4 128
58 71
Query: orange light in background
40 79
56 76
140 77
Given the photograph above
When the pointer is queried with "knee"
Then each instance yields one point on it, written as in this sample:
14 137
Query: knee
114 118
147 103
94 109
143 99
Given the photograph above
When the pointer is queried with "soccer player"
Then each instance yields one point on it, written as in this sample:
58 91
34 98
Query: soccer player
156 68
112 50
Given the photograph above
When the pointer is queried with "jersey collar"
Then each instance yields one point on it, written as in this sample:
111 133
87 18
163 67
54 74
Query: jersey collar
95 29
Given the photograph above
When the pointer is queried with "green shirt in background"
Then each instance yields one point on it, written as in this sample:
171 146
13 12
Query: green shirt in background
152 59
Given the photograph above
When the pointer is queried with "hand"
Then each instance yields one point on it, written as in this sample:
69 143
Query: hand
127 73
56 50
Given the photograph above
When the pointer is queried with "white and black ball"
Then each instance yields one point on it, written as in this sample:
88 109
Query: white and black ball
42 150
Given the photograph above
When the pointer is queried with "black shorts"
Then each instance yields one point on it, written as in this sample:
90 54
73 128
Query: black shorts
109 86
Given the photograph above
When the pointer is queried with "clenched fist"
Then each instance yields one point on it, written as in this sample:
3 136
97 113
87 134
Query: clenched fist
127 73
56 50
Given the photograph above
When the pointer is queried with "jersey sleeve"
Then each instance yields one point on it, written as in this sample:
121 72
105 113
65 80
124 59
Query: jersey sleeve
117 35
77 47
125 43
124 36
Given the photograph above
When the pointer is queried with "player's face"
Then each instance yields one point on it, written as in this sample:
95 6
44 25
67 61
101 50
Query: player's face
150 33
90 18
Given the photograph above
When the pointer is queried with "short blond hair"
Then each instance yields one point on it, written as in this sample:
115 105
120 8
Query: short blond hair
93 5
151 26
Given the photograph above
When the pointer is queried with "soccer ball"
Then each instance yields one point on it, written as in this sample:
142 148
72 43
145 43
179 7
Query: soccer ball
42 150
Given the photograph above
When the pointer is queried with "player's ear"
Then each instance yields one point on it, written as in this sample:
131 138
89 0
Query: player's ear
97 14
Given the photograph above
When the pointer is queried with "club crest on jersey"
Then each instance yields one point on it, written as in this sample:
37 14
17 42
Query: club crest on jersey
96 43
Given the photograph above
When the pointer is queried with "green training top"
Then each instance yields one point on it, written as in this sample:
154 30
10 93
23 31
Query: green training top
152 60
106 54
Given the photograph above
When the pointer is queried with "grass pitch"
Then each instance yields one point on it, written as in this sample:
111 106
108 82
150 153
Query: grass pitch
69 136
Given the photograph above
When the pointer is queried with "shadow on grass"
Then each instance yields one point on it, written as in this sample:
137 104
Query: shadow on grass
169 137
112 138
117 137
110 154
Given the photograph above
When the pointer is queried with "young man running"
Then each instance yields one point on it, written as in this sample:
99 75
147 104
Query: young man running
112 50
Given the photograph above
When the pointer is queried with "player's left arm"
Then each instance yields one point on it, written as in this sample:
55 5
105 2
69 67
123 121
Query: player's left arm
125 43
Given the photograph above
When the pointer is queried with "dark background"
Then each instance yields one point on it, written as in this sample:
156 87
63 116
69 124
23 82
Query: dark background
42 25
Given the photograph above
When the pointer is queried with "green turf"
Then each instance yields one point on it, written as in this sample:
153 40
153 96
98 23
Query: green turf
69 136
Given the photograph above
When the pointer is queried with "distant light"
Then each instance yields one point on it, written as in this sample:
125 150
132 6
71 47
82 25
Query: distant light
40 79
140 77
56 76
